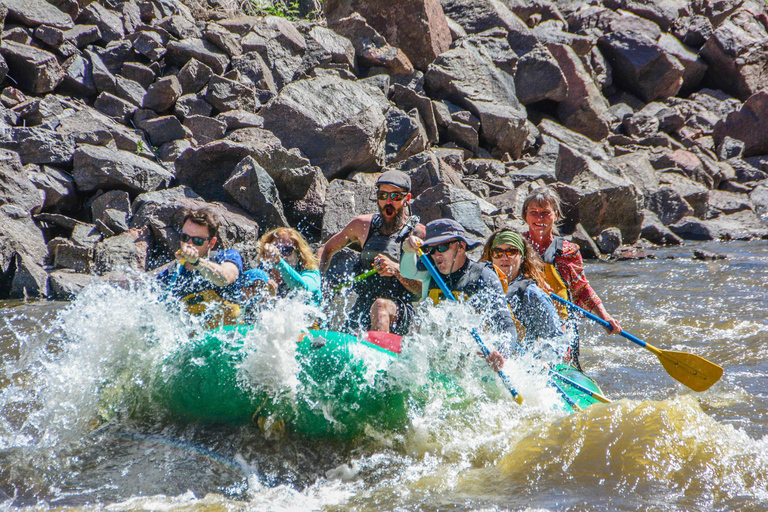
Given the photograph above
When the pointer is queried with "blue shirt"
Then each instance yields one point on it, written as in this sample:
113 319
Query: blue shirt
181 282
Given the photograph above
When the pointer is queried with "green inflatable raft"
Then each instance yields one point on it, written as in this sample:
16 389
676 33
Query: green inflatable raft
343 385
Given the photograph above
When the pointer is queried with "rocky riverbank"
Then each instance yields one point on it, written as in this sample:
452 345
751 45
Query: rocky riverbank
650 119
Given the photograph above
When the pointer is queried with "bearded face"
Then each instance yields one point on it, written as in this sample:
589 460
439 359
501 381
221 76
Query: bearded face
392 201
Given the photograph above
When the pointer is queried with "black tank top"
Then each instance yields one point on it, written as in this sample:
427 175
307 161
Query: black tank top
377 286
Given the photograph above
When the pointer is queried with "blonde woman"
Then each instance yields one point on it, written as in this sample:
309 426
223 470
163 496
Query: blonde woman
287 265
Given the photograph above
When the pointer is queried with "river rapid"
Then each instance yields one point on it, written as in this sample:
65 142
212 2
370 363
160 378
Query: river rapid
72 436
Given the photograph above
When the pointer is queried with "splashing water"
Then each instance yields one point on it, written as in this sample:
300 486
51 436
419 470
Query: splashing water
78 427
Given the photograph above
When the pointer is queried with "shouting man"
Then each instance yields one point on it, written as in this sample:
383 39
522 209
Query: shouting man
384 299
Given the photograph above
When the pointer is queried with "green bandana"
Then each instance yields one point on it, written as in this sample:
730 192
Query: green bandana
510 238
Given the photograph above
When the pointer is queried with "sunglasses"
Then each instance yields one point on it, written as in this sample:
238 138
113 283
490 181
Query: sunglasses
196 240
498 253
394 196
286 250
443 247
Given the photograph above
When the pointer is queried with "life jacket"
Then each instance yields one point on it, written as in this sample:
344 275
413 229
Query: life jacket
518 287
218 310
379 243
470 277
551 275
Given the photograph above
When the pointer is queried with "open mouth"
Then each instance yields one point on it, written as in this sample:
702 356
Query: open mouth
389 210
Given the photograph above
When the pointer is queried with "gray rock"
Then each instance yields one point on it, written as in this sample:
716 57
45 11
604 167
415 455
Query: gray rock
88 126
113 208
164 196
587 246
656 232
608 240
371 48
539 76
78 76
15 186
408 99
73 256
224 94
162 95
255 191
338 124
222 39
686 163
38 145
405 135
65 284
139 73
695 194
427 170
129 90
58 187
731 67
598 198
194 76
205 129
280 45
35 70
180 27
562 135
124 251
749 125
669 205
150 44
303 192
694 67
180 52
114 107
33 14
345 200
103 78
470 80
85 235
254 71
583 108
97 167
30 280
730 148
445 201
729 202
236 119
165 129
340 49
19 235
171 151
192 105
637 168
642 66
109 23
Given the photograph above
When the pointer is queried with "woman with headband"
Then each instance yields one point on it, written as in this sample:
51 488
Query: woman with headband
522 277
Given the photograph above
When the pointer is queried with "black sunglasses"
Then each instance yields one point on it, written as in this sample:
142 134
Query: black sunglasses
498 253
196 240
394 196
439 248
286 250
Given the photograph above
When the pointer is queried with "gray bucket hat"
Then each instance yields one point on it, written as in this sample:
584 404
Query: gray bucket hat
442 230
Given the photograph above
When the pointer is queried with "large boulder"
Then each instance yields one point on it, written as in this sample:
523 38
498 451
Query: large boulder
597 198
444 201
339 125
427 170
345 200
30 280
469 79
281 46
15 186
656 232
255 192
737 54
99 167
37 145
19 235
749 125
34 14
35 70
418 27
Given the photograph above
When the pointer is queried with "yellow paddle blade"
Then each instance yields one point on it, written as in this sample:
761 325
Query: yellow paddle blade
694 371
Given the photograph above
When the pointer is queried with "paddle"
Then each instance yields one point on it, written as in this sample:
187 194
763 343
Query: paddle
483 348
354 280
574 384
694 371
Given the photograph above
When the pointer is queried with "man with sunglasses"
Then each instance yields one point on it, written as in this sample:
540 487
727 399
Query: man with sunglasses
446 244
200 275
383 299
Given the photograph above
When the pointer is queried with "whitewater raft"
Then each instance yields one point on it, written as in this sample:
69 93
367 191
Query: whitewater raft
343 386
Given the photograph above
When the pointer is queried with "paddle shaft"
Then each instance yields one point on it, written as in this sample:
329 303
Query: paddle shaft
355 280
694 371
483 348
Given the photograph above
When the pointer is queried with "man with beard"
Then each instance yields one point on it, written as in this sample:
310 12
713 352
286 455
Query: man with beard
384 299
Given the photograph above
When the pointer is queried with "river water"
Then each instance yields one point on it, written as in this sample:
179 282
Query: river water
69 440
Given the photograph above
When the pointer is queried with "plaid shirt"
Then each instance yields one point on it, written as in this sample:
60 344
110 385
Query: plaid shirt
571 269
